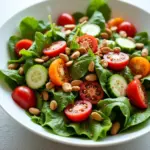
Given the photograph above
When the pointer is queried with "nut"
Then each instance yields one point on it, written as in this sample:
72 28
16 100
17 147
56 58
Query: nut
69 26
85 18
131 39
45 95
105 50
104 63
75 55
113 29
67 87
69 63
64 57
139 76
115 128
91 77
76 82
139 46
67 32
104 35
53 105
38 60
116 49
13 66
49 85
82 50
123 34
34 111
104 43
96 116
75 88
67 50
21 71
108 31
144 52
91 66
45 58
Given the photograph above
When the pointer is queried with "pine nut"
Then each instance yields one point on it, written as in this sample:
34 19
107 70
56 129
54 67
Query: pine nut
13 66
104 35
45 95
76 82
64 57
104 43
144 52
67 32
96 116
131 39
75 88
139 76
38 60
67 50
21 71
113 29
104 63
91 66
49 85
34 111
82 50
69 63
139 46
85 18
67 87
75 55
53 105
108 31
70 26
45 58
105 50
116 49
115 128
123 34
91 77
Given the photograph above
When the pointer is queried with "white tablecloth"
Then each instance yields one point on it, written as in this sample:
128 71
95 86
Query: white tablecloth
15 137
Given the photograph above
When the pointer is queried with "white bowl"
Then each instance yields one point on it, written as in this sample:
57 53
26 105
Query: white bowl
54 7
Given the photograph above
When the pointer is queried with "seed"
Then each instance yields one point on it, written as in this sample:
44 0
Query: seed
144 52
108 31
123 34
69 63
113 29
38 60
67 87
75 88
116 49
69 26
45 95
105 50
139 76
67 32
21 71
139 46
91 66
104 63
49 85
76 82
53 105
34 111
115 128
82 50
131 39
96 116
91 77
85 18
104 35
75 55
64 57
67 50
45 58
13 66
104 43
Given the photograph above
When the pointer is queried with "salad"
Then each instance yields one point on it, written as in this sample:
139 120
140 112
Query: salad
88 75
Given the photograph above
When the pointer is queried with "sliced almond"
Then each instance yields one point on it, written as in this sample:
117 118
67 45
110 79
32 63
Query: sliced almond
76 82
91 66
53 105
76 88
67 87
38 60
13 66
69 63
91 77
75 55
34 111
45 95
64 57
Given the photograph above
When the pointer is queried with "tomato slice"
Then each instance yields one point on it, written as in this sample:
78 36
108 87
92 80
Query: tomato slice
137 94
91 91
22 44
115 22
55 49
117 61
58 72
139 65
88 42
79 111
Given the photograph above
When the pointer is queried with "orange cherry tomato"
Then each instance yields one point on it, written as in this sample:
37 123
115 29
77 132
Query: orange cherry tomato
115 22
58 72
139 65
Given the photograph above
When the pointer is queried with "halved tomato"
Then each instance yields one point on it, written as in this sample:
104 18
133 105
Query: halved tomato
79 111
117 61
91 91
137 94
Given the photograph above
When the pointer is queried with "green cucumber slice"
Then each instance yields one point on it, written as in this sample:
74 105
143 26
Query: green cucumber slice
117 85
36 76
91 29
126 45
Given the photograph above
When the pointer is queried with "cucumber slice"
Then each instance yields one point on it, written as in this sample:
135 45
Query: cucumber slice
117 85
91 29
127 45
36 76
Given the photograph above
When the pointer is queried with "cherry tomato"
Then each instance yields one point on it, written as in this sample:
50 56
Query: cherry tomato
137 94
55 49
128 28
91 91
58 72
78 112
24 97
115 22
65 18
88 42
22 44
117 61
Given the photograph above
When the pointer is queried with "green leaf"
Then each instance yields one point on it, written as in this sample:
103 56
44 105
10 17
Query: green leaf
39 101
77 16
20 60
47 64
29 62
146 81
135 54
43 26
27 53
141 37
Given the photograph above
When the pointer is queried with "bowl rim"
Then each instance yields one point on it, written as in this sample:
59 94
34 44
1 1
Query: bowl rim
64 141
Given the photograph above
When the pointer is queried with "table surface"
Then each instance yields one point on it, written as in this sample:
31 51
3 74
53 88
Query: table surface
15 137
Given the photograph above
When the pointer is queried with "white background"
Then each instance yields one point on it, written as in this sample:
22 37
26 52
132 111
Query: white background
15 137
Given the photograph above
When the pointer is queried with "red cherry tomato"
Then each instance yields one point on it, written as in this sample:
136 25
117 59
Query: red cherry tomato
88 42
22 44
55 49
24 97
78 112
117 61
136 94
65 18
91 91
128 28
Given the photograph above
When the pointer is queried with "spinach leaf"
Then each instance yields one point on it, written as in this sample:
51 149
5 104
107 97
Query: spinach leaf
135 54
146 81
141 37
103 75
27 53
39 100
99 5
47 64
28 63
43 26
93 129
77 16
20 60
